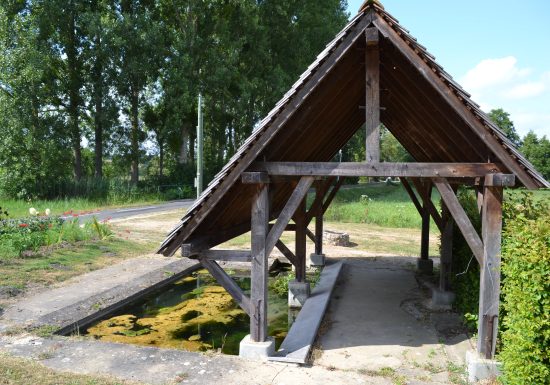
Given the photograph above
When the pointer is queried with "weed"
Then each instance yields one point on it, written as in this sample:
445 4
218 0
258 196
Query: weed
45 355
44 331
457 374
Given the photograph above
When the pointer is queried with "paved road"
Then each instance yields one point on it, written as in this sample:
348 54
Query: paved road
121 213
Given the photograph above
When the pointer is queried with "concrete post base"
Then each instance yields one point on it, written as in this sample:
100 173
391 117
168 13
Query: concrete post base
442 299
258 351
298 293
425 266
480 368
317 259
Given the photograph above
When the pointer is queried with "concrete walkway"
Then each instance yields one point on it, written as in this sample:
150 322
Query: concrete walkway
377 331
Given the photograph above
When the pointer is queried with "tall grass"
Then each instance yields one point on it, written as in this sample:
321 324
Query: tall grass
376 203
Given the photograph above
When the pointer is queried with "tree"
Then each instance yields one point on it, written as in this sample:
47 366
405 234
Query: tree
537 151
502 120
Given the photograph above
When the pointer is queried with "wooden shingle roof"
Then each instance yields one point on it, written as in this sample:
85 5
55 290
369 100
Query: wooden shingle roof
423 107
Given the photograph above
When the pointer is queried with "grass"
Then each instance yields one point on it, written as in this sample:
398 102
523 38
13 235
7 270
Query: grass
62 263
378 204
20 208
17 371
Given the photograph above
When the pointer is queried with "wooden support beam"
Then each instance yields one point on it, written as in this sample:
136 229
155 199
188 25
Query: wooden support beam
332 194
254 177
259 270
321 189
407 170
489 291
461 218
310 234
228 284
500 180
288 211
473 121
425 236
226 255
429 205
446 249
289 227
301 233
412 195
286 252
372 107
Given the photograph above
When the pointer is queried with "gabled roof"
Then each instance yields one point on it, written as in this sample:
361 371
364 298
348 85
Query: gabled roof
424 108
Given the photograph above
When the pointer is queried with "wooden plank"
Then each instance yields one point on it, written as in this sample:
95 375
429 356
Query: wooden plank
228 284
372 90
288 211
227 255
259 270
489 291
301 233
286 252
461 219
254 177
412 195
419 170
446 93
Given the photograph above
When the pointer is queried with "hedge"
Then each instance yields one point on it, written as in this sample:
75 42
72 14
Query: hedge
524 320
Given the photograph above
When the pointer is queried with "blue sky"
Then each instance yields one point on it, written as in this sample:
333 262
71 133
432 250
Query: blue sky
499 51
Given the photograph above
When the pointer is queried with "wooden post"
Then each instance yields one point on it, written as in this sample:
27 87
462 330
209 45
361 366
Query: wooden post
319 224
300 219
425 237
446 249
489 291
258 274
372 105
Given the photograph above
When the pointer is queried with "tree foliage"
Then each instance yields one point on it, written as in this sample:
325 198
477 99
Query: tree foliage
109 87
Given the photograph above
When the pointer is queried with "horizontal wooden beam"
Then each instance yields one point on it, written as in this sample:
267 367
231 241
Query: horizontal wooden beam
226 255
228 284
419 170
254 177
500 180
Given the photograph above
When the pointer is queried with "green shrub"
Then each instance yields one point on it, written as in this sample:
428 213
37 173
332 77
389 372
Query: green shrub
526 293
465 268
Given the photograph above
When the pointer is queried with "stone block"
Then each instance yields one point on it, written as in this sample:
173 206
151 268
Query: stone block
298 293
258 351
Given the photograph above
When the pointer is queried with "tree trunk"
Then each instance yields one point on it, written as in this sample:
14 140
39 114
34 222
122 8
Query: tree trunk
98 116
184 149
134 118
74 97
161 160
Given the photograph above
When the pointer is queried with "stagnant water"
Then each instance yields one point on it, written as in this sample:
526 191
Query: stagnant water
194 314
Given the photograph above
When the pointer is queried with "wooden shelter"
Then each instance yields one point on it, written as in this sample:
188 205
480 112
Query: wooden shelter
373 72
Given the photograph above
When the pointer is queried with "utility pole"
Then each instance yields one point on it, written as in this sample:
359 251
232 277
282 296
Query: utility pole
198 179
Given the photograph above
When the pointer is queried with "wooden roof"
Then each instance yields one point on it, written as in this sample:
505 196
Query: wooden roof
424 108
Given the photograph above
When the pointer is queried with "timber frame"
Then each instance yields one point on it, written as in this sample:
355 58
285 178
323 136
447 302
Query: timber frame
374 72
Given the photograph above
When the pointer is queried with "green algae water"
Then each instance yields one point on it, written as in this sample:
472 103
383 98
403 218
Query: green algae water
194 314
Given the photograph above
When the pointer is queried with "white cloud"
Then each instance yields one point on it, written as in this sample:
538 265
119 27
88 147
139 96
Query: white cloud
522 92
493 72
525 90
